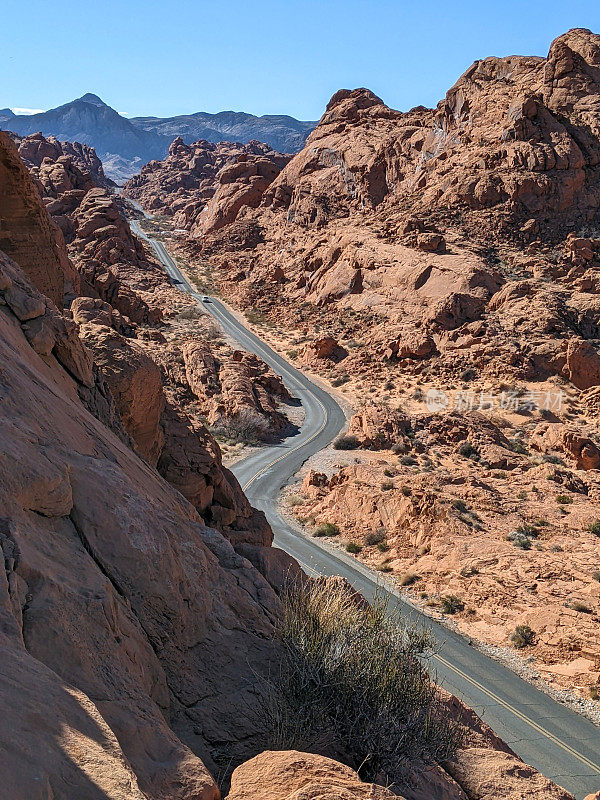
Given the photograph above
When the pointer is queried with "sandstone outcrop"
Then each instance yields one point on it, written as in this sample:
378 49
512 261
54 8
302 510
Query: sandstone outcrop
26 233
117 599
110 263
290 775
203 186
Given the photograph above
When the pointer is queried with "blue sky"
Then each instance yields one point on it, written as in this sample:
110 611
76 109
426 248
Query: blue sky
166 58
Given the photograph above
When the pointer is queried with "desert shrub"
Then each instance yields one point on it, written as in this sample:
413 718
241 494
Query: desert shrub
326 529
518 447
353 547
375 537
563 499
594 527
467 450
551 459
351 683
596 575
294 500
594 692
386 486
247 427
383 547
577 605
408 578
399 447
346 443
340 380
459 505
468 375
408 461
522 636
389 473
406 491
384 568
522 495
451 604
520 540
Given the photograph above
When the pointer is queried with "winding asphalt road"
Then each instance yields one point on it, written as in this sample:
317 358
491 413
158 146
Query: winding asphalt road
558 742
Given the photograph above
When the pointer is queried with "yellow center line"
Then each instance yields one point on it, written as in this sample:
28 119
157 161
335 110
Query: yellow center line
293 450
520 715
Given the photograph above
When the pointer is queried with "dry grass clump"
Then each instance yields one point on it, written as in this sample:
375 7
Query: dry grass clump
351 683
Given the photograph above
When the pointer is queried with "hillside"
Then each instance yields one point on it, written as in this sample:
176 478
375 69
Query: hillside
441 268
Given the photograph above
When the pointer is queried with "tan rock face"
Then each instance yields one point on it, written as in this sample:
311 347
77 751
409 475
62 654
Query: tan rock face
110 262
113 589
26 234
290 775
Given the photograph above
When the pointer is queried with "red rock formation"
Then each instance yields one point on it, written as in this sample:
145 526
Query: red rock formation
114 590
26 233
203 186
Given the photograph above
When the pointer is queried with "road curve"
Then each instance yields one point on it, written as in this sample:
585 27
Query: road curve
560 743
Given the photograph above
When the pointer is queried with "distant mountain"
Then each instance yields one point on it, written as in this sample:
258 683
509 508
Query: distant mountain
125 145
282 133
90 121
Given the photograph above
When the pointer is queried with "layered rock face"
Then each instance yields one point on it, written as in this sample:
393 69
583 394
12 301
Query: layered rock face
117 599
26 233
35 148
203 186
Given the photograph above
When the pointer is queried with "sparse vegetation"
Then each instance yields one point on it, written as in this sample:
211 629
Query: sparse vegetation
248 427
326 529
563 499
594 527
406 491
375 537
518 447
408 578
350 680
383 547
522 636
386 486
346 443
451 604
582 608
408 461
467 450
520 539
353 547
459 504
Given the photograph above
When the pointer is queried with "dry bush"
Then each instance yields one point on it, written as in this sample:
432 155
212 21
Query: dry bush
351 684
247 427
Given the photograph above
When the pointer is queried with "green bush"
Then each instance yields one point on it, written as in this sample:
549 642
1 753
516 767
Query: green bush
467 450
326 529
350 683
383 547
522 636
346 443
352 547
563 499
386 486
451 604
520 539
594 527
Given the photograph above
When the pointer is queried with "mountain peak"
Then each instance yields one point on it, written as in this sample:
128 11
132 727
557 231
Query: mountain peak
92 99
6 112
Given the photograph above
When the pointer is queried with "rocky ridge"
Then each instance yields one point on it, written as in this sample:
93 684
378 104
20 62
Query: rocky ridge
203 186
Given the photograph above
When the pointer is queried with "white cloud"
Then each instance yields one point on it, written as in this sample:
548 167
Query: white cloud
27 110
